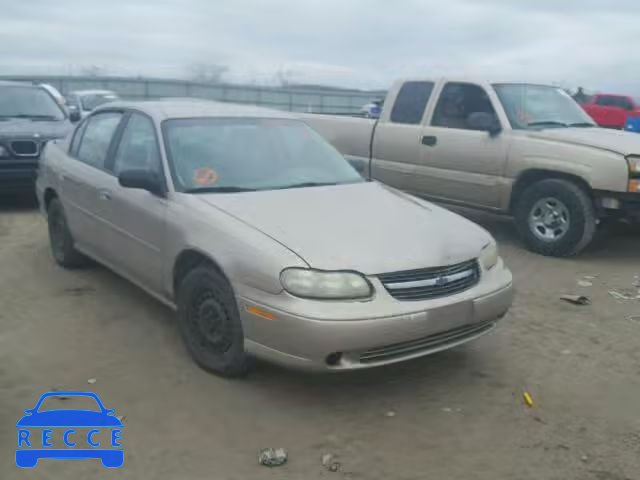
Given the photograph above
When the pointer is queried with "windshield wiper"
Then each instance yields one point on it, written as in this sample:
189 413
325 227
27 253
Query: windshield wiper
547 123
307 184
582 124
229 189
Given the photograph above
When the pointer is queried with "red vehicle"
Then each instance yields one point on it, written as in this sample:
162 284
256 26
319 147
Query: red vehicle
611 111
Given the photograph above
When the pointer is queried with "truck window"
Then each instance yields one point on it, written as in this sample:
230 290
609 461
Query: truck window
612 101
411 101
457 102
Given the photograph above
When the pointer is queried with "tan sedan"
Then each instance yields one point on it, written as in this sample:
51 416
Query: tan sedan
265 239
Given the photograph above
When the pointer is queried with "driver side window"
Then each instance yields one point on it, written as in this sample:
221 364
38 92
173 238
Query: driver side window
457 102
138 149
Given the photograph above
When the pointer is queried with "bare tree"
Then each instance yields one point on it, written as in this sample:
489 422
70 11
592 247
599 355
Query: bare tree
284 76
206 72
92 71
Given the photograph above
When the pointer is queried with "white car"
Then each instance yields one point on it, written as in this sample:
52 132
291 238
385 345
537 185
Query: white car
85 101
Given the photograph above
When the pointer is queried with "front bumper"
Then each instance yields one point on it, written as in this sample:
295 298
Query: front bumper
620 203
353 335
18 179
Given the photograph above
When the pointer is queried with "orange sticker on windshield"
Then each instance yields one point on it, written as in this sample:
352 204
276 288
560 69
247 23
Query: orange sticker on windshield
205 176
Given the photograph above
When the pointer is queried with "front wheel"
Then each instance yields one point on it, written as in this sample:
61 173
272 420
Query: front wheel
555 217
210 322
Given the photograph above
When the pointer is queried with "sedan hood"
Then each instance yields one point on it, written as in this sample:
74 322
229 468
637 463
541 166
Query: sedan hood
25 128
619 141
365 227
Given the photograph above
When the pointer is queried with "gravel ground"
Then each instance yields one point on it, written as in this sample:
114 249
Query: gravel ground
455 415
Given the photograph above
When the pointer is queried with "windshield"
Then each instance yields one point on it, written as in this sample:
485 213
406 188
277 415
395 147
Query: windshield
89 102
233 154
539 106
28 102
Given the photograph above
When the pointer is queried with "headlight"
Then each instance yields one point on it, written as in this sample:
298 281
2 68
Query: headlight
3 152
307 283
489 256
634 165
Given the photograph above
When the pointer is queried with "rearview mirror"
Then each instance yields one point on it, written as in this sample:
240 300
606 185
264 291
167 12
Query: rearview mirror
144 179
484 121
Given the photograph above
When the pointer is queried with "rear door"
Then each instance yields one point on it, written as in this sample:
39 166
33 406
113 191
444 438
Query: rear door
396 139
84 177
135 218
459 164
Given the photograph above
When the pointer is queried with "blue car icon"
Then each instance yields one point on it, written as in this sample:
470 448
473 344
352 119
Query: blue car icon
28 456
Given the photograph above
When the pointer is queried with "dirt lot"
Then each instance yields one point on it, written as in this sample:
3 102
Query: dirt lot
458 415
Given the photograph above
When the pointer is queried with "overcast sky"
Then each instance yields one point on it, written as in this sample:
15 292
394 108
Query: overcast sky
355 43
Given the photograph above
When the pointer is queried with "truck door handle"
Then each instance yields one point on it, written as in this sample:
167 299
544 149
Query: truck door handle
104 195
429 140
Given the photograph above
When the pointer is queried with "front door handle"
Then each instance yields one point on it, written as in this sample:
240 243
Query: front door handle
429 140
104 195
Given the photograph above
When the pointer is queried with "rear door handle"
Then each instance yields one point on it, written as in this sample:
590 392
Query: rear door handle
71 180
429 140
104 195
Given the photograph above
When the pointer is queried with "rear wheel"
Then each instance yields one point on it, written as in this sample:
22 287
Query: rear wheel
555 217
60 238
209 322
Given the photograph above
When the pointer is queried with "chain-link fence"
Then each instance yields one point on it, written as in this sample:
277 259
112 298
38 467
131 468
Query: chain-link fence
310 99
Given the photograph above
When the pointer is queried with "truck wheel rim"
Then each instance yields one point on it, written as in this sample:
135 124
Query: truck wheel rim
549 219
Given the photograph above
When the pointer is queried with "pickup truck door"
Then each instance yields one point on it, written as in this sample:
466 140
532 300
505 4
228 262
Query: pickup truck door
611 111
396 138
459 164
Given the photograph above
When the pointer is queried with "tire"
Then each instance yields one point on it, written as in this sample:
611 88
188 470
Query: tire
555 217
210 324
60 239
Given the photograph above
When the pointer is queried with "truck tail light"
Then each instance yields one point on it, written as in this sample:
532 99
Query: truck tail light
634 186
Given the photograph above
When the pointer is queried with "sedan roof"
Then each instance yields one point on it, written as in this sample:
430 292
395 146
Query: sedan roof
192 107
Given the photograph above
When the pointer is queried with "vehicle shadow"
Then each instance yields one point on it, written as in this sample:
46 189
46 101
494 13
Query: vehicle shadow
18 203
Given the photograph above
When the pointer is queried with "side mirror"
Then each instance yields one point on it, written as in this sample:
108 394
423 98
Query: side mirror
485 122
144 179
74 115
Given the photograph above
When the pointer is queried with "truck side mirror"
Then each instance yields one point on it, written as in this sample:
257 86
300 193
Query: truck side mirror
484 121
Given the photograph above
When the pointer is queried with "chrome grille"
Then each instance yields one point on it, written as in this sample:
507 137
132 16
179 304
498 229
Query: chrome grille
25 148
426 344
431 282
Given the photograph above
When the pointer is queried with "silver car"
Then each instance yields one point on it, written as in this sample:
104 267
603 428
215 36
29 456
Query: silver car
265 240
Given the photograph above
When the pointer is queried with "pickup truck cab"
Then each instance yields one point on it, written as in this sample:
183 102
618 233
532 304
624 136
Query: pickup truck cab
518 149
611 111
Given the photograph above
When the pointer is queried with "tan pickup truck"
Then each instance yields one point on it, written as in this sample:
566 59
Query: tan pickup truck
512 148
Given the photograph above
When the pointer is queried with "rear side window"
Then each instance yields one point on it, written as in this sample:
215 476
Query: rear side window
619 102
411 101
77 136
95 142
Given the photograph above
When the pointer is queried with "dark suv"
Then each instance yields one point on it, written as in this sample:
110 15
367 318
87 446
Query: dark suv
29 117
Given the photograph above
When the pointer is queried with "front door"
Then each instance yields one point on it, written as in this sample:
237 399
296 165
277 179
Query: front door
136 218
459 164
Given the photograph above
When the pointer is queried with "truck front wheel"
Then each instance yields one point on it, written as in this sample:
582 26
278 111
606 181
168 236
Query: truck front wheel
555 217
